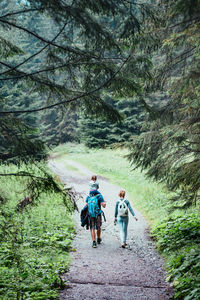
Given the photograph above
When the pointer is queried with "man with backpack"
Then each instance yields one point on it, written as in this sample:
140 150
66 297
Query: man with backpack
94 203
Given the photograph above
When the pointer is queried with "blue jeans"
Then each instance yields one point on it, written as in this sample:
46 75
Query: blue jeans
123 225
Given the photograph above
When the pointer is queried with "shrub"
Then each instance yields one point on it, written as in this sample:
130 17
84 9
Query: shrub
178 238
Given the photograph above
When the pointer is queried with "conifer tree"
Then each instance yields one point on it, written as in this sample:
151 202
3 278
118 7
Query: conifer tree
86 49
169 146
95 132
59 127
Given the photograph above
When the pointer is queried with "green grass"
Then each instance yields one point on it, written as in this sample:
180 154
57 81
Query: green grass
150 197
69 148
176 233
35 244
67 165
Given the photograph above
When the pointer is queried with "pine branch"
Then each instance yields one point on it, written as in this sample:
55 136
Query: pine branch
35 54
106 83
9 48
23 174
35 79
184 57
19 12
136 3
166 28
53 68
183 22
69 49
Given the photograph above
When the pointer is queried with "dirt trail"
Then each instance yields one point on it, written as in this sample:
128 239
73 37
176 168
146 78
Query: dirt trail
110 272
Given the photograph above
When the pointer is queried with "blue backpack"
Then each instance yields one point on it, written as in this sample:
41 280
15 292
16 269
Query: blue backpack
93 206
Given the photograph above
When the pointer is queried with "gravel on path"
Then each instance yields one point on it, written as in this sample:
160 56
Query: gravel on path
110 272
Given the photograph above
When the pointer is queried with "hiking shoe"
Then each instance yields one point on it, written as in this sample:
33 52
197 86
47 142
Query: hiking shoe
99 240
94 244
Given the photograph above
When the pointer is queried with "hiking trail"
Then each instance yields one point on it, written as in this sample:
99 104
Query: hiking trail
110 272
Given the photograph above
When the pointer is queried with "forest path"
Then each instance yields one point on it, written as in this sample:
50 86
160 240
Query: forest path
110 272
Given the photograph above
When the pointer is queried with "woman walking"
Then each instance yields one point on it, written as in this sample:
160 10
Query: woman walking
121 216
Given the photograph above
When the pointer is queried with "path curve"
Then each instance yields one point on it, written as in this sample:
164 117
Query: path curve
110 272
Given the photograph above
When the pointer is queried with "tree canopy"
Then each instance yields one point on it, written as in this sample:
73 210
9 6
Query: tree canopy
71 55
169 146
67 55
74 51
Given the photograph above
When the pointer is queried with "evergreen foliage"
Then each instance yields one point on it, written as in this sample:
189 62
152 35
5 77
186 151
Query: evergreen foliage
19 134
19 139
169 145
59 126
85 56
177 234
95 132
66 55
60 58
35 240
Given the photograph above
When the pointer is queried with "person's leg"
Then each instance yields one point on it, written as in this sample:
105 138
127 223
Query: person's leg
120 222
99 223
99 236
125 227
92 231
98 233
93 235
123 230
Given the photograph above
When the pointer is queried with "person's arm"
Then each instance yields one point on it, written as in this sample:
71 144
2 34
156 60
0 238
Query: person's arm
87 200
131 210
103 204
97 185
101 200
116 210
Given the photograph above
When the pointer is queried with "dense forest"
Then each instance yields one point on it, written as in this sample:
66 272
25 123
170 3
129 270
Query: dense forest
104 74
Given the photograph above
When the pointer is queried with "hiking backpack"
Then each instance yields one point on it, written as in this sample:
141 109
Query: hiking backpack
122 208
93 206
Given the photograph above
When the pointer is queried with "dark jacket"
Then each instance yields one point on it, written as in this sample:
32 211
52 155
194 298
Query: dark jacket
84 217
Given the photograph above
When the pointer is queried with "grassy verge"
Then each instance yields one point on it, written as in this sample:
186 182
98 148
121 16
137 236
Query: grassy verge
177 234
149 197
35 243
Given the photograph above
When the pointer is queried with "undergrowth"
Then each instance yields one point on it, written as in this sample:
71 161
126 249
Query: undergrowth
35 242
178 238
176 233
